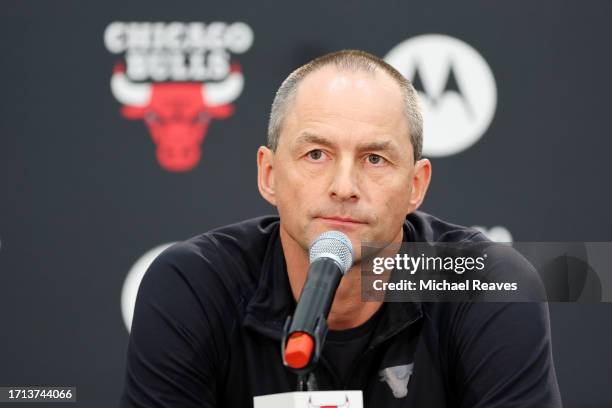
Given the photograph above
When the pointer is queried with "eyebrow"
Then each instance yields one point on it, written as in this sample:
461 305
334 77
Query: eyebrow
377 146
307 137
311 138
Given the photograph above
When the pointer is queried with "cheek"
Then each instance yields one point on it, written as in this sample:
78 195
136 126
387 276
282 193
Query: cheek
390 202
395 209
294 193
297 197
299 181
290 185
390 192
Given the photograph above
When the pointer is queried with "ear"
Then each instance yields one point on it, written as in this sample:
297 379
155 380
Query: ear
265 174
420 183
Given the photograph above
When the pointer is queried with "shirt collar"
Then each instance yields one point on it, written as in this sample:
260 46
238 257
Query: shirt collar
272 301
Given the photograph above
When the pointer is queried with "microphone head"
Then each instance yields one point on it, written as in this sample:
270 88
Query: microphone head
334 245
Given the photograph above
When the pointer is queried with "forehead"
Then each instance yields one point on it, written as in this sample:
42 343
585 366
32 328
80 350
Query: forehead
350 105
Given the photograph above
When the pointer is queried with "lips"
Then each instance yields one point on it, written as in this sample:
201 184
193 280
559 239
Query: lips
341 220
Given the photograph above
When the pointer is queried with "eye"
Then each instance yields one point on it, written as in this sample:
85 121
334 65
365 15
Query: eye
201 117
376 159
152 117
315 155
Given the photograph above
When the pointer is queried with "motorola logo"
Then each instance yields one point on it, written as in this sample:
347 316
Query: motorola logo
132 282
456 87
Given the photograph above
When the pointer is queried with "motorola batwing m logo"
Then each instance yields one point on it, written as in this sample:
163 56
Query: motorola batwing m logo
456 86
177 77
132 282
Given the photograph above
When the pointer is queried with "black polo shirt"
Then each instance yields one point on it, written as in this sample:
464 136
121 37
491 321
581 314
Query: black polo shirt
210 311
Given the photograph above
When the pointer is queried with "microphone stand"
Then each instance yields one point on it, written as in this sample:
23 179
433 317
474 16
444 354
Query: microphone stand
304 332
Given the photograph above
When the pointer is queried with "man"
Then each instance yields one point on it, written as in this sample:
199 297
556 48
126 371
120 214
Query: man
344 153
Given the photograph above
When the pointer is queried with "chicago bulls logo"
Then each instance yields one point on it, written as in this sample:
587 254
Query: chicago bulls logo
177 114
345 404
177 77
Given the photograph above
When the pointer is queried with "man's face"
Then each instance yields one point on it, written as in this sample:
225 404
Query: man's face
344 160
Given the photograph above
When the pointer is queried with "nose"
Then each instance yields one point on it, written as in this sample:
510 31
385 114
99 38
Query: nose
178 158
344 186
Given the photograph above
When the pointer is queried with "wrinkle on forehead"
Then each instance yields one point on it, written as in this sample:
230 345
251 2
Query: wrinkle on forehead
342 82
359 90
332 81
348 101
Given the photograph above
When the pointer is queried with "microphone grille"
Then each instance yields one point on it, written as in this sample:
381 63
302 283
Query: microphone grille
334 245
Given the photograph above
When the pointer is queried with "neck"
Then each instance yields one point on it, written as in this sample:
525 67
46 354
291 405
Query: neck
348 310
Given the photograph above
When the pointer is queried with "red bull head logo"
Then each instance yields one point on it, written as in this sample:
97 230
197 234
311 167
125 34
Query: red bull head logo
177 114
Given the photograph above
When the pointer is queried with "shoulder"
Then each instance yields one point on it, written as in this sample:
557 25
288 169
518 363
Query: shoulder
503 262
246 239
221 262
486 345
240 244
424 227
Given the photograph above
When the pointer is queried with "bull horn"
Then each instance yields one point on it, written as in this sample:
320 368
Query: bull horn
128 92
224 92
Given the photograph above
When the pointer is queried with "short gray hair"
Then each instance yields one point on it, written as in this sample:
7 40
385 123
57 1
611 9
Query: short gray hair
351 60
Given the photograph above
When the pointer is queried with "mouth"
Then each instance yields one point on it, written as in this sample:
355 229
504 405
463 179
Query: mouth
341 221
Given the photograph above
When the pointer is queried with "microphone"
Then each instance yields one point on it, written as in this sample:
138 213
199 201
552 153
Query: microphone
331 256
